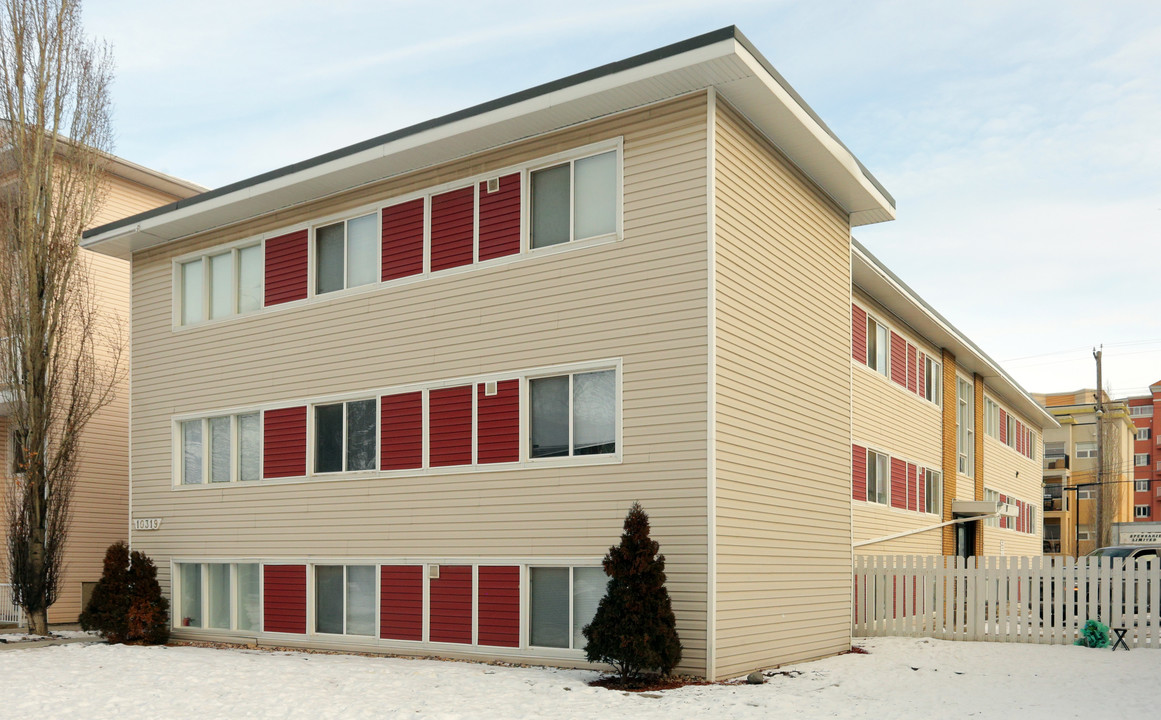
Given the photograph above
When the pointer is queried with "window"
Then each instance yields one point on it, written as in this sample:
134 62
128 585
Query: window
221 449
1141 511
1031 528
878 347
347 254
1085 493
345 599
1141 411
561 601
1141 486
1144 433
220 285
575 200
1141 459
992 496
1085 450
991 418
933 492
933 380
965 426
220 596
572 415
1030 445
345 436
1083 533
878 478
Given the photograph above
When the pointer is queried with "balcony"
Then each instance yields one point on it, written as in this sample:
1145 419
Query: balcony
1056 462
1051 547
1054 505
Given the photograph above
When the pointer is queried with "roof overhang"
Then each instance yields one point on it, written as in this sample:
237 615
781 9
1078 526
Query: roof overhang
724 60
873 277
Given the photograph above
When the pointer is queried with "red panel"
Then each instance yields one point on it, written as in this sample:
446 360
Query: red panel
284 598
858 472
498 603
452 233
859 334
286 268
402 237
450 605
284 442
498 423
898 483
898 359
401 431
450 422
401 602
921 372
500 218
1003 426
912 371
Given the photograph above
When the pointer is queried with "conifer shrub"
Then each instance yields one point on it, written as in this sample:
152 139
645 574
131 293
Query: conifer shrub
634 629
127 605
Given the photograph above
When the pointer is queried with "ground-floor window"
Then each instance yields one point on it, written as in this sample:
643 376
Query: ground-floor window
219 596
345 599
562 600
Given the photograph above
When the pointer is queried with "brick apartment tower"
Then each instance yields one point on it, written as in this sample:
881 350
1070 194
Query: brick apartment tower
1146 413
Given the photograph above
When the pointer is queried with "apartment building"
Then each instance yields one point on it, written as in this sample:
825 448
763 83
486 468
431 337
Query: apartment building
1144 410
399 397
1071 486
946 445
100 503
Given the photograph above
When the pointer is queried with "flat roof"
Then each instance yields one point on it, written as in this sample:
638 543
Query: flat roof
723 59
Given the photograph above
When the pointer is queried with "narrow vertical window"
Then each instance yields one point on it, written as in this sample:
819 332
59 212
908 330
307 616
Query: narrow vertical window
328 599
328 438
220 449
219 595
249 447
878 347
192 292
550 206
191 452
190 579
250 278
329 262
221 285
249 598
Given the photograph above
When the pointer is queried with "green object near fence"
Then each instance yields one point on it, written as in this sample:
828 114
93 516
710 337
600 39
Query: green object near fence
1094 635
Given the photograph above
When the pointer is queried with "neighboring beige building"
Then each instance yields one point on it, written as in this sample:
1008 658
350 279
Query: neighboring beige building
940 432
438 367
1070 470
101 498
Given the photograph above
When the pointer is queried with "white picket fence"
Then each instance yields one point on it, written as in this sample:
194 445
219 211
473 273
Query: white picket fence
1005 599
10 612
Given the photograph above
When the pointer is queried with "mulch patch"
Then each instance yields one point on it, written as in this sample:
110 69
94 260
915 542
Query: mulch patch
649 683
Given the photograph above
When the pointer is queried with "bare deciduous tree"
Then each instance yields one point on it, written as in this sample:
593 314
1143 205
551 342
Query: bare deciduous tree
59 361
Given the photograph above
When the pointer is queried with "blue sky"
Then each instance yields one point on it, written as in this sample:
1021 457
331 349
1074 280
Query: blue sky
1021 140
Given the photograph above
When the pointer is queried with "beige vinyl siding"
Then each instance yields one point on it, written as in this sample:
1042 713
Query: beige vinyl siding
642 300
125 197
1011 473
783 527
872 521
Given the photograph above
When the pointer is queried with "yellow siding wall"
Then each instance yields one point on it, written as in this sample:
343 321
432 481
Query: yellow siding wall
783 566
1001 465
642 300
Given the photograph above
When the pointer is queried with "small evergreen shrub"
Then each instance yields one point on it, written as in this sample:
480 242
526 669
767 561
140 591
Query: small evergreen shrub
127 605
634 629
1094 635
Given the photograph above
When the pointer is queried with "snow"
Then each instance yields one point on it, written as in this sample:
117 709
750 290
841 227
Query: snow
56 634
900 678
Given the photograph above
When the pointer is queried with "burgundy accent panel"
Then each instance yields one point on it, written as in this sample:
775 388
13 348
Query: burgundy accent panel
452 228
921 489
858 333
402 238
284 598
912 372
450 423
500 218
498 423
286 268
921 373
450 605
912 490
898 484
1003 426
498 606
401 602
284 442
401 431
898 359
858 472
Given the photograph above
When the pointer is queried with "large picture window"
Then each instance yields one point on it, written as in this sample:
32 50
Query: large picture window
345 599
345 436
575 200
219 596
222 284
347 254
573 415
562 600
221 449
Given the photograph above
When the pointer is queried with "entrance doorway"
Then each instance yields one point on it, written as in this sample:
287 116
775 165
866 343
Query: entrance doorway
965 538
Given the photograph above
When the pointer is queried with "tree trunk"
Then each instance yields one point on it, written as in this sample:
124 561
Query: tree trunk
38 622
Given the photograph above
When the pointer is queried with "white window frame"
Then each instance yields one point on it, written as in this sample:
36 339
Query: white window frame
1087 453
571 157
526 620
873 324
1145 433
882 486
312 598
1140 411
1086 493
175 595
933 380
178 469
933 479
1141 460
526 412
345 219
965 427
991 418
312 426
203 256
1142 511
1141 485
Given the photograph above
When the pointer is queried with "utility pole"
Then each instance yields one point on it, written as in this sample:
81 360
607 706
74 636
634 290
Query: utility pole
1100 412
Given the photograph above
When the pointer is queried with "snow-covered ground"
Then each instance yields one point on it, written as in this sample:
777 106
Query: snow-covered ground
19 637
900 678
